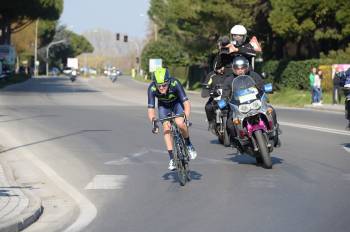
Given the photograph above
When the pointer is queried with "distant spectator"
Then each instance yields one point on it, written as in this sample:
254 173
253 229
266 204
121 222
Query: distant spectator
312 83
320 75
337 85
317 89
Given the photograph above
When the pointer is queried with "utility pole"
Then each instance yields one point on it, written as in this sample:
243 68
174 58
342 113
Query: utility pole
36 49
47 53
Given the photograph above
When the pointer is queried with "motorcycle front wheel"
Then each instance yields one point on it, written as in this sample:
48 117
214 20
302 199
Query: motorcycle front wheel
264 152
226 137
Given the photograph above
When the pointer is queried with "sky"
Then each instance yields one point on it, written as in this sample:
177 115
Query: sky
123 16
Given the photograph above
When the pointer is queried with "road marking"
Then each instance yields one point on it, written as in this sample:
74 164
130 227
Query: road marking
315 128
107 182
303 126
128 159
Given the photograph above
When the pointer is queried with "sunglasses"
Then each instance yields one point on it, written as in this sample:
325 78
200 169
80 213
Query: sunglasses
162 85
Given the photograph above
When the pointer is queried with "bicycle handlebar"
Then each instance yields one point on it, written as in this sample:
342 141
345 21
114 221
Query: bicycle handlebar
188 123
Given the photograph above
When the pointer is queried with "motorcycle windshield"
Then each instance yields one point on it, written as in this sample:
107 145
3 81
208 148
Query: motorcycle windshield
244 90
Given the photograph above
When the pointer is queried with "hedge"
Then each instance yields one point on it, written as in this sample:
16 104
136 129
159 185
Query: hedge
295 74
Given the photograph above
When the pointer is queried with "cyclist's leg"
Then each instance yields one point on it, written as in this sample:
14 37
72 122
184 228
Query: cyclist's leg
179 109
163 112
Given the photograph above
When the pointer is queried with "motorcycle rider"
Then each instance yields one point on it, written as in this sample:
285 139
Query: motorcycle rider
238 46
213 83
346 77
171 99
240 66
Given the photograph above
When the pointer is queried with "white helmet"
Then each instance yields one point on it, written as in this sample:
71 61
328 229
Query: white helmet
241 32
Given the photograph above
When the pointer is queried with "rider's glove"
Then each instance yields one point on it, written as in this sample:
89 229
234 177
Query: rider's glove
155 127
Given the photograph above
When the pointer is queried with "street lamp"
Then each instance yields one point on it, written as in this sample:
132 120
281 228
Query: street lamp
47 53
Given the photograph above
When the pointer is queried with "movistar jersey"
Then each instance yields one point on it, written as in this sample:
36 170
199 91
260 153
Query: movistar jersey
175 93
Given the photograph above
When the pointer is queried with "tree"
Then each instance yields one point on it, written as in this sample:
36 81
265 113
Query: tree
75 45
17 14
314 26
195 25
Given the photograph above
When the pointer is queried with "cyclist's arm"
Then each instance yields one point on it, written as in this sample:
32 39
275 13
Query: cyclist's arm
187 108
151 102
183 98
151 114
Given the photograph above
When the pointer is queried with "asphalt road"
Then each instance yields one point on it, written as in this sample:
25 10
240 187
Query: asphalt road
95 135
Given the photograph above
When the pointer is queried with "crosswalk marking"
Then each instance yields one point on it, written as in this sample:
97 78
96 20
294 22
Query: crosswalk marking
107 182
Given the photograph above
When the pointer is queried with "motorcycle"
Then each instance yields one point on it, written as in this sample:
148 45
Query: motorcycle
346 90
255 132
73 75
221 115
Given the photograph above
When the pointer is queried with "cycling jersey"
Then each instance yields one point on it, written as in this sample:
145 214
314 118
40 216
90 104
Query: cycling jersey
174 93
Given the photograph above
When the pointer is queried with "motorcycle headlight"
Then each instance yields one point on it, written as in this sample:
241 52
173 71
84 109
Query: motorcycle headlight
244 108
255 105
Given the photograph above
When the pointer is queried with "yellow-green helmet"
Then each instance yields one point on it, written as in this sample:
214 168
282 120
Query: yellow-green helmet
161 76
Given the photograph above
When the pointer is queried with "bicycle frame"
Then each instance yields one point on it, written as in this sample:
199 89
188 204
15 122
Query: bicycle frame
180 152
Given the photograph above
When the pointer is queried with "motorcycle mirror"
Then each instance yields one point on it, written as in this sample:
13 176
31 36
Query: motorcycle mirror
268 88
264 75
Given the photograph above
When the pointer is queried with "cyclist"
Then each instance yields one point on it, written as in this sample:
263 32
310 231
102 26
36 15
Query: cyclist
171 99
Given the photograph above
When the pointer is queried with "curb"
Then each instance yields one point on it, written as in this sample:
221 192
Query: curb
29 215
325 108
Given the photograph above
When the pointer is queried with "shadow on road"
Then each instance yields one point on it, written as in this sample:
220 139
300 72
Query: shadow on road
31 117
52 139
173 176
51 85
247 159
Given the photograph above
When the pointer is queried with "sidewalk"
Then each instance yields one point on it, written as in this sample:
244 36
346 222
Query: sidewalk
18 207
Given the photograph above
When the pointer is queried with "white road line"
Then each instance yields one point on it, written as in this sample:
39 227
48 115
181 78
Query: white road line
127 159
304 126
315 128
107 182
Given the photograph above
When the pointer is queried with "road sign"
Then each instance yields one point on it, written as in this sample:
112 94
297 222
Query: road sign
154 64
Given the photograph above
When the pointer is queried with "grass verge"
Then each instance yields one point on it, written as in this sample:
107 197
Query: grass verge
296 98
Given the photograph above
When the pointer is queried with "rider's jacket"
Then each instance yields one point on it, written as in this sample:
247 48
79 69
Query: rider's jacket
225 60
214 80
174 93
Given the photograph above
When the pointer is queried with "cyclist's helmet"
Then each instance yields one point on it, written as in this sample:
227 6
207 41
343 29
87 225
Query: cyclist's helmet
161 76
240 62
